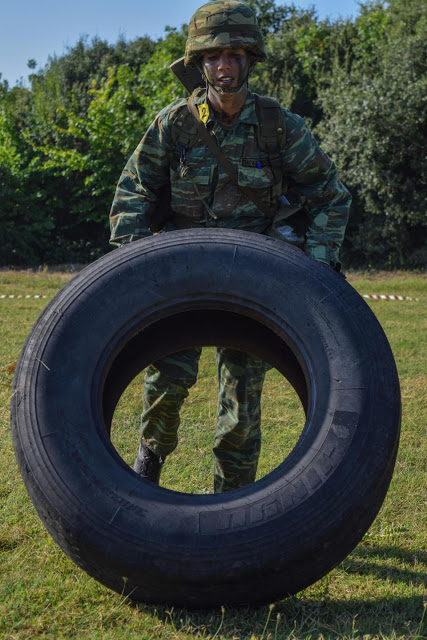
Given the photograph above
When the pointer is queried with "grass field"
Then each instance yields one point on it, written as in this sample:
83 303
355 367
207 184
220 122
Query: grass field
377 592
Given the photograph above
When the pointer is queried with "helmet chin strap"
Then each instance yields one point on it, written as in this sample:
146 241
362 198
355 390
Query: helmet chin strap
221 91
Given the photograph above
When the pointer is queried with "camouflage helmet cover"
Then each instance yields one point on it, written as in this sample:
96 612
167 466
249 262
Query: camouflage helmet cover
223 24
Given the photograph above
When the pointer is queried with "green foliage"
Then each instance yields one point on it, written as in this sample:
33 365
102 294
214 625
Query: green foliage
375 128
157 83
66 140
88 62
23 224
285 74
360 83
301 52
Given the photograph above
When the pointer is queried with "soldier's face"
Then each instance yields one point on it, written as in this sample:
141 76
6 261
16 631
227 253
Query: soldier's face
227 69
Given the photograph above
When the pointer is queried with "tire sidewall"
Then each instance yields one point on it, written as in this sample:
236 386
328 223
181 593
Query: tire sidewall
303 516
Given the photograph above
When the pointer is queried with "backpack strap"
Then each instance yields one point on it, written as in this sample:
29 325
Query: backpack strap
271 132
184 128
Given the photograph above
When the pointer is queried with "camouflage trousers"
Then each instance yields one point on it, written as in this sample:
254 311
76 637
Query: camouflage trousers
237 441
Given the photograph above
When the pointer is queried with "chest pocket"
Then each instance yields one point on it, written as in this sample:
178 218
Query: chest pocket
254 178
231 201
263 180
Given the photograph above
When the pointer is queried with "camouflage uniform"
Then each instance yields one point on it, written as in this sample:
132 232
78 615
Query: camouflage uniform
237 436
202 195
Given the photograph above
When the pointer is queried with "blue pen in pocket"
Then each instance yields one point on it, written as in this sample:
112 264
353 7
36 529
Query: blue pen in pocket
283 200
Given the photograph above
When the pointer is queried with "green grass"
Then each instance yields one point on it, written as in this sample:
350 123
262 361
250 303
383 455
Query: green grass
377 592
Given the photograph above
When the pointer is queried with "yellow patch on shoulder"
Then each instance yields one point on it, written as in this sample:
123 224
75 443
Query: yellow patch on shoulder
203 112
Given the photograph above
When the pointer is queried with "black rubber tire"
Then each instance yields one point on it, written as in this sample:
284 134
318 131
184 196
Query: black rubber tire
187 288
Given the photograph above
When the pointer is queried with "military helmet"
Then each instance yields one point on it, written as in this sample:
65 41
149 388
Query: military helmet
223 24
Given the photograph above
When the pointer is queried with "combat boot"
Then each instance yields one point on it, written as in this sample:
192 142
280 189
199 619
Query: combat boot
147 464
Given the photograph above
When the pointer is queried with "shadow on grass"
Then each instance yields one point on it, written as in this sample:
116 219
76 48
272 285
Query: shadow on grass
370 560
302 617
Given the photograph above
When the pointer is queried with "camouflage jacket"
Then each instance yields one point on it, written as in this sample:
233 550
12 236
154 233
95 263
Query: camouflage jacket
202 194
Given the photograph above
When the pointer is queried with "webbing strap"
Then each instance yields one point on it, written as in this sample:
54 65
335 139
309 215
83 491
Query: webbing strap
225 162
269 113
271 123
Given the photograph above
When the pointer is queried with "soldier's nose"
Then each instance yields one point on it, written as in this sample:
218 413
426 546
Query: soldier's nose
224 62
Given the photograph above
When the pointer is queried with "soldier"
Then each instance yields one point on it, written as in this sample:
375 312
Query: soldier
283 186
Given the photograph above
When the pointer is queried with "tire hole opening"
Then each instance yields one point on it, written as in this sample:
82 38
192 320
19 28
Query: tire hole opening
189 468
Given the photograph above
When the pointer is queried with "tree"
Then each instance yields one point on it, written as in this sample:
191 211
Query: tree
375 128
87 63
157 83
24 224
301 51
75 126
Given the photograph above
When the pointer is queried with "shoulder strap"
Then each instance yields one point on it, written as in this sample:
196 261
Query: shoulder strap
184 128
271 133
225 162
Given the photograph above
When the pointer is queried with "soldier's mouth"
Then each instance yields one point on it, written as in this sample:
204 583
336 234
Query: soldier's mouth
225 80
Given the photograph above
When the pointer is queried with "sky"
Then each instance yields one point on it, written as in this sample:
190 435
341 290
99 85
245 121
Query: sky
37 29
